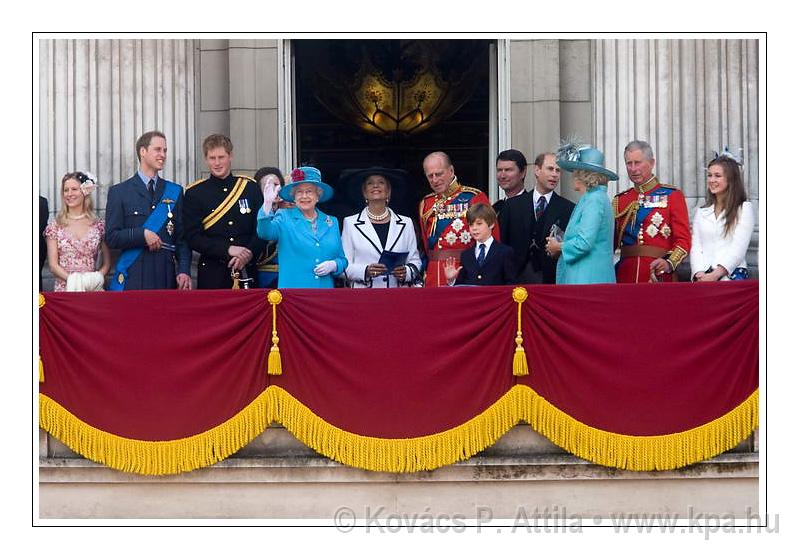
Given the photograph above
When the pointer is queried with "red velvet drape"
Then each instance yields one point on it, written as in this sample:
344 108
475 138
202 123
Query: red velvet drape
629 359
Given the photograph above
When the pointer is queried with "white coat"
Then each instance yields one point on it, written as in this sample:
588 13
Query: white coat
710 248
362 247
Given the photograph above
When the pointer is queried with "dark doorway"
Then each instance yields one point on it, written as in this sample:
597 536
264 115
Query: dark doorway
339 128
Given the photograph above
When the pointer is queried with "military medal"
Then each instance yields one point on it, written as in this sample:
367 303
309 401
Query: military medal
244 206
170 225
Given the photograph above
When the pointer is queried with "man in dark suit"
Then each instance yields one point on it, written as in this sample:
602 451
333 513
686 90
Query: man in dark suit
526 220
511 167
489 263
143 219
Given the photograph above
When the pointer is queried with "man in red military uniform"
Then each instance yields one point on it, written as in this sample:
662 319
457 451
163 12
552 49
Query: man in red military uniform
443 217
652 222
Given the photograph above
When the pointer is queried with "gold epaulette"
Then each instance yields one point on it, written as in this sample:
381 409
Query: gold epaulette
194 184
245 177
673 187
472 190
615 202
422 202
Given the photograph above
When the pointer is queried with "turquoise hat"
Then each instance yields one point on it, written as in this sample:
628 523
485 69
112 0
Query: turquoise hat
573 157
306 175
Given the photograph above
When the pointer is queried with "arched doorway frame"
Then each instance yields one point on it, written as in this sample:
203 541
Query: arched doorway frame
499 107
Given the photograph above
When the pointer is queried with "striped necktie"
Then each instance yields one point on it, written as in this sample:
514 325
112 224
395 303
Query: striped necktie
540 207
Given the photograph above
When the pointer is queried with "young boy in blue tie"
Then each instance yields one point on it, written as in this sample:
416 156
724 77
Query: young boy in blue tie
489 262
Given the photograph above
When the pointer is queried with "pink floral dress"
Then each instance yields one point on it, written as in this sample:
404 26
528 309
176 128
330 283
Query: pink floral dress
76 255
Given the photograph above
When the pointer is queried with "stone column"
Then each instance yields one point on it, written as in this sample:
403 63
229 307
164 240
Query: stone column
96 97
239 97
688 98
551 97
535 98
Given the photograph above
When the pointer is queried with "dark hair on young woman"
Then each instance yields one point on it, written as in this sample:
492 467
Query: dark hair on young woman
264 171
735 195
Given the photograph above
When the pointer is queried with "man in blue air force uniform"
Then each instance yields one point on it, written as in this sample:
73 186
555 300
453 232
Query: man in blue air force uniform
143 219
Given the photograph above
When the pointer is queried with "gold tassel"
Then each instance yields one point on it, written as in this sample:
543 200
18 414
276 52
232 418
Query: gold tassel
520 294
235 277
274 366
41 365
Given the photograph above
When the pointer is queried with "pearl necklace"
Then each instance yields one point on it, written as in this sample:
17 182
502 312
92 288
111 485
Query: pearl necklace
380 217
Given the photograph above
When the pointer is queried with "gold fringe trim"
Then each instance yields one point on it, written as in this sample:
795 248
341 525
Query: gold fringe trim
663 452
400 455
643 453
157 457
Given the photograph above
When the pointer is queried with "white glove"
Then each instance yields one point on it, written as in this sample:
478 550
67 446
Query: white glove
324 268
271 190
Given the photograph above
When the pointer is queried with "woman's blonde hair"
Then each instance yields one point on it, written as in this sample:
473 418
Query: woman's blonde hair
88 203
590 178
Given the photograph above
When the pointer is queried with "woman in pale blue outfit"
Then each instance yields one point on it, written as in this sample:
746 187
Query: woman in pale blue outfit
308 239
587 248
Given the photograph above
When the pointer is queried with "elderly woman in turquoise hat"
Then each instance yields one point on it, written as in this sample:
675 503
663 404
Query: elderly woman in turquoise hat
308 239
587 245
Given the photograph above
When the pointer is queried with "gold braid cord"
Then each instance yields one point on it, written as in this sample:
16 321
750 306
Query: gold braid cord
41 365
274 366
520 294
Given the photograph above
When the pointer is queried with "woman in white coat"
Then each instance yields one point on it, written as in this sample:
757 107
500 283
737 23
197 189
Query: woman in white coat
723 226
380 245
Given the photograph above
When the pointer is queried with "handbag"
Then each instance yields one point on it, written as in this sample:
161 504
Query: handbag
85 282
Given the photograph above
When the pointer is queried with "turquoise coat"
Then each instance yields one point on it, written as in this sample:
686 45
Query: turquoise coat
587 251
300 249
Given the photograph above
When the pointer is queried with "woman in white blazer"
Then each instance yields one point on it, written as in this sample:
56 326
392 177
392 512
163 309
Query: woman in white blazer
380 245
723 226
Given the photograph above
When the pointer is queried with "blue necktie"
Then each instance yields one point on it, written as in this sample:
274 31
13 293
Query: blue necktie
481 254
540 207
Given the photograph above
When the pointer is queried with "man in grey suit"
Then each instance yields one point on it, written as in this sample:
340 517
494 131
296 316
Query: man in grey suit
143 219
526 220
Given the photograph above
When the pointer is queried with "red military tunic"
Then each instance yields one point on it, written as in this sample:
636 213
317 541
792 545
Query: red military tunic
443 223
651 221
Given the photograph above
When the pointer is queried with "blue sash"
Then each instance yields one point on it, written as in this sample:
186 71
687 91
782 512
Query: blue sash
154 222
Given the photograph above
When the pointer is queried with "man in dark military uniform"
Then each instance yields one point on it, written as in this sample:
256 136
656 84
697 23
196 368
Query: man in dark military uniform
220 219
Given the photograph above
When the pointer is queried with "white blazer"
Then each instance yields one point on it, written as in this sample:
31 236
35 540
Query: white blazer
362 247
710 248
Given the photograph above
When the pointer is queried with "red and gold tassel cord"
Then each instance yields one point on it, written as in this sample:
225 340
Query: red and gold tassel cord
41 365
274 366
520 294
